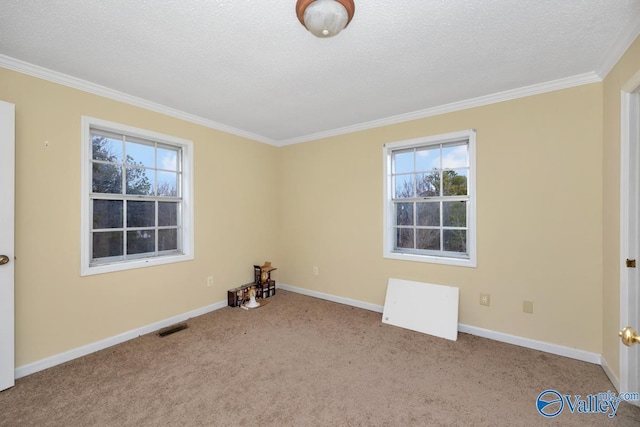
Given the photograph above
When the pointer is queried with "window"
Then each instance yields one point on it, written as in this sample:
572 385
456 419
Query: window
429 199
136 198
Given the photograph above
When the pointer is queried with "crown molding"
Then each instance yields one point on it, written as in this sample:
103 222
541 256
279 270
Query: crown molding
619 48
508 95
86 86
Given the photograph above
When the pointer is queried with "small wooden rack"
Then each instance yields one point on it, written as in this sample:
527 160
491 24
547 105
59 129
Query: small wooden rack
262 283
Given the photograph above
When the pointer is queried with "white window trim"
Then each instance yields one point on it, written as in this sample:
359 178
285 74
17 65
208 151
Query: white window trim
85 222
388 240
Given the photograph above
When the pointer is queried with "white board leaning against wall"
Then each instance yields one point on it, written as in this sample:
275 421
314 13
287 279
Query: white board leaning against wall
422 307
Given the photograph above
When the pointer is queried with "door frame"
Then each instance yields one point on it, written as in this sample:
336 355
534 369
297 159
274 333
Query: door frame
630 228
7 271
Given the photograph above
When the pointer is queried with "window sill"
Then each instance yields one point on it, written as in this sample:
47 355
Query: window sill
133 264
459 262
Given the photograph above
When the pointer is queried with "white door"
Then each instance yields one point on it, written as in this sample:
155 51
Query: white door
7 194
630 238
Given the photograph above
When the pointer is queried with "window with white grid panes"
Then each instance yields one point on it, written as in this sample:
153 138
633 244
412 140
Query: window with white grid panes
430 199
136 202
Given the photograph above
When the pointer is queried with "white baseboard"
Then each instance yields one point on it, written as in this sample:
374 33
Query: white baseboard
612 377
559 350
556 349
329 297
573 353
57 359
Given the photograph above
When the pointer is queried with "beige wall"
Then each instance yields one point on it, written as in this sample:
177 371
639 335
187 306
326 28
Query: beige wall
628 65
547 218
539 216
56 309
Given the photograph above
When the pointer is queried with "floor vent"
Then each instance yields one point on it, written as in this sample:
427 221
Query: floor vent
172 329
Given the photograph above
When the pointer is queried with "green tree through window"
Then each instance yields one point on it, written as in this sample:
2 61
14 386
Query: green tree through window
430 207
122 183
107 176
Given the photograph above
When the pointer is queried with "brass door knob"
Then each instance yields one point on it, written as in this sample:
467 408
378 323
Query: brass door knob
629 336
4 259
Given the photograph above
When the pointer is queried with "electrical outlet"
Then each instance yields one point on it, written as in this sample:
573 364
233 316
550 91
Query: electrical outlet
210 281
485 299
316 271
527 307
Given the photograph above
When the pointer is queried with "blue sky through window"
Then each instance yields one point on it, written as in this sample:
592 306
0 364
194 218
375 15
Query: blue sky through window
428 159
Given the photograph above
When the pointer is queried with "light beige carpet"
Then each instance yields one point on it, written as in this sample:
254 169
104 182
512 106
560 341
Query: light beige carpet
301 361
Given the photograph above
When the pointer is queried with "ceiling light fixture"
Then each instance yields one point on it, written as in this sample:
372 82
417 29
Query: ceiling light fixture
325 18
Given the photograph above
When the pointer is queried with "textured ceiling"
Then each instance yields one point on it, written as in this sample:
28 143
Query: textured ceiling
248 67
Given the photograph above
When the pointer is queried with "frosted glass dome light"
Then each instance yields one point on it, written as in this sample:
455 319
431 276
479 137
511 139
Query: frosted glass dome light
325 18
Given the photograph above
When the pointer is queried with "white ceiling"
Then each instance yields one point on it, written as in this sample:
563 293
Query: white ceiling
248 67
